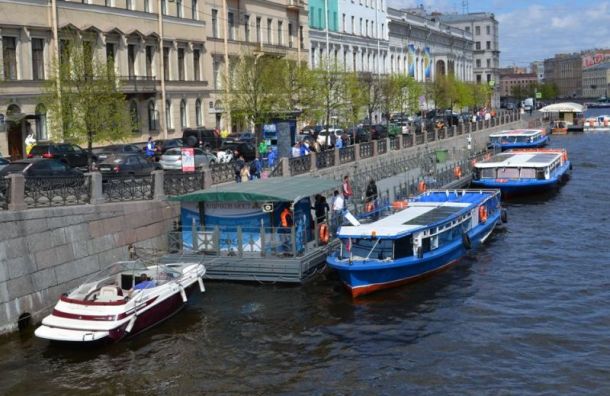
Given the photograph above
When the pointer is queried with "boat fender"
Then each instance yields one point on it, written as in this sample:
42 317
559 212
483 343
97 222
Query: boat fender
183 294
504 216
132 321
482 214
201 286
466 241
421 187
323 233
420 252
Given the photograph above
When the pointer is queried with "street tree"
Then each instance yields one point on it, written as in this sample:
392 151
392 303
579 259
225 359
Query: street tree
481 94
372 93
329 84
355 99
83 98
255 91
391 94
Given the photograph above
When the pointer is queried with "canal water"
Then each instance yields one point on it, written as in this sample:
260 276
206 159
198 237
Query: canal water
528 313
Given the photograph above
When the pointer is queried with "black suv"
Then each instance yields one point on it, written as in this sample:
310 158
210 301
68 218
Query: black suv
67 153
207 139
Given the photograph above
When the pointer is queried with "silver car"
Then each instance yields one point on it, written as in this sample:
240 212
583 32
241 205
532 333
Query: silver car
172 159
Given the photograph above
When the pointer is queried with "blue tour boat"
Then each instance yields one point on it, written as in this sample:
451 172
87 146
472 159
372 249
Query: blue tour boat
434 230
519 172
518 138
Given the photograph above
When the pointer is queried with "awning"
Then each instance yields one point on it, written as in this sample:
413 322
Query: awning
566 107
275 189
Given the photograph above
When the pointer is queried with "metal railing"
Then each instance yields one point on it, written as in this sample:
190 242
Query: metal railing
5 191
394 143
366 150
431 135
178 183
222 173
278 169
325 159
382 146
347 154
299 165
128 188
49 191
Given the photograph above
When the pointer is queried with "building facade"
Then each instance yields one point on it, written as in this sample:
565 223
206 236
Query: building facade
168 55
485 30
565 71
356 38
515 84
596 81
537 68
423 47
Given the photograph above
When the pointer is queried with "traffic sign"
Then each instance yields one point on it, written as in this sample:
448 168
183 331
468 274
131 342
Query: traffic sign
538 95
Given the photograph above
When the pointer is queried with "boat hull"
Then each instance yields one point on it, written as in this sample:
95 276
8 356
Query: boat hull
362 280
537 144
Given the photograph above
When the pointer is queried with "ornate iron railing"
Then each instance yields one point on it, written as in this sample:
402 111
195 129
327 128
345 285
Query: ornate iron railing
394 144
419 139
366 150
56 191
325 159
222 173
278 169
382 146
299 165
441 133
431 136
5 191
347 154
177 183
128 188
407 141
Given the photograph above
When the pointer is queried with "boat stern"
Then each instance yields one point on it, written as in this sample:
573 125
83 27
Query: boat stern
70 335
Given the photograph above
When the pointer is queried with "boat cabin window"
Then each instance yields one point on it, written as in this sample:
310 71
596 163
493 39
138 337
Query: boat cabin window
426 244
488 173
403 247
540 174
370 248
528 173
508 173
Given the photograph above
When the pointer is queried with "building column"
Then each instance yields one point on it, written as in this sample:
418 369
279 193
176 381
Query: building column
24 55
121 57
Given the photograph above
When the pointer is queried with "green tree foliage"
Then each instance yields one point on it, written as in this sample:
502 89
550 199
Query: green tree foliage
84 99
371 85
464 95
329 84
548 91
355 99
481 94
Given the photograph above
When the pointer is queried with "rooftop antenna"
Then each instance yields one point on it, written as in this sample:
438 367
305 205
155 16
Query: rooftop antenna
464 6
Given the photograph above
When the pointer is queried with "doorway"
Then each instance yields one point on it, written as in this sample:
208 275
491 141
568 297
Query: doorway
14 132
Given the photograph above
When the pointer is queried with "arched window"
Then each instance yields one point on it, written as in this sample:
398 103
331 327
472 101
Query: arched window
135 116
198 113
41 123
168 114
152 116
195 9
183 114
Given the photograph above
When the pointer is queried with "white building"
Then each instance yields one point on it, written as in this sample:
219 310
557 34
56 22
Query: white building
423 47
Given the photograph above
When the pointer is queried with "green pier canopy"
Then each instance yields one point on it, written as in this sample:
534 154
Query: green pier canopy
276 189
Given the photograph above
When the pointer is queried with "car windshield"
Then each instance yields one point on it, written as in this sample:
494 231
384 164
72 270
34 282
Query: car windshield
39 149
15 168
174 151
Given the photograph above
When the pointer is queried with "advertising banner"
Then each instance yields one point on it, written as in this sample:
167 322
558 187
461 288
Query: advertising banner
593 59
427 63
188 159
411 53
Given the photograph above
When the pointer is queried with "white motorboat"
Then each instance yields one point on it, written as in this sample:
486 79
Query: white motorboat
126 298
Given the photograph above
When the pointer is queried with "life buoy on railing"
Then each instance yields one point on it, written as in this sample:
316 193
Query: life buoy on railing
421 187
323 233
482 214
457 172
398 205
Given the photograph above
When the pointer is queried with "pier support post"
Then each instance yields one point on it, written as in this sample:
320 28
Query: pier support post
285 166
357 152
17 192
95 180
313 156
207 177
158 193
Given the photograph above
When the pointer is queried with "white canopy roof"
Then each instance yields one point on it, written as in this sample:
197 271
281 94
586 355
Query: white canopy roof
566 107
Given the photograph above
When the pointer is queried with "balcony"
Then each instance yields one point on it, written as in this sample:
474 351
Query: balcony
139 85
296 5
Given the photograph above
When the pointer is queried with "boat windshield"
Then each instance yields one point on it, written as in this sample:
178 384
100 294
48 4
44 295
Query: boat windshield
508 173
362 248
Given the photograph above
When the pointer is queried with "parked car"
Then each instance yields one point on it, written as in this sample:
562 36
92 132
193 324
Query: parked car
3 163
247 149
324 139
162 145
378 131
107 151
54 173
243 136
68 153
359 135
172 159
207 139
126 164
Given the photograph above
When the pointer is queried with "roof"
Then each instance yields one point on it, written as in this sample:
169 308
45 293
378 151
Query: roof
565 107
275 189
517 132
525 159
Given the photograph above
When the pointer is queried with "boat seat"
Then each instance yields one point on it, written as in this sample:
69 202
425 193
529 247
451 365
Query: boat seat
110 294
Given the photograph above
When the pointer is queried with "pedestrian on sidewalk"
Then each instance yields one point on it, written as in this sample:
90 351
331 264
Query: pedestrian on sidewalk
237 167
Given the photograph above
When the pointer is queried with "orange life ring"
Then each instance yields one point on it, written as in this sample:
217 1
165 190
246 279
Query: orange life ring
399 205
457 172
421 187
482 214
323 232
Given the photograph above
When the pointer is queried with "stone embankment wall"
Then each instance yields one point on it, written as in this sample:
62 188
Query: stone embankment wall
46 252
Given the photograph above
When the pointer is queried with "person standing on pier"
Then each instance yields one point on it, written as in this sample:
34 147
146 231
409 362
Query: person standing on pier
347 189
338 205
370 196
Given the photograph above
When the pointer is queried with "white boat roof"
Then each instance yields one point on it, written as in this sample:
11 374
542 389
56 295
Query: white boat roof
530 159
416 215
517 132
565 107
